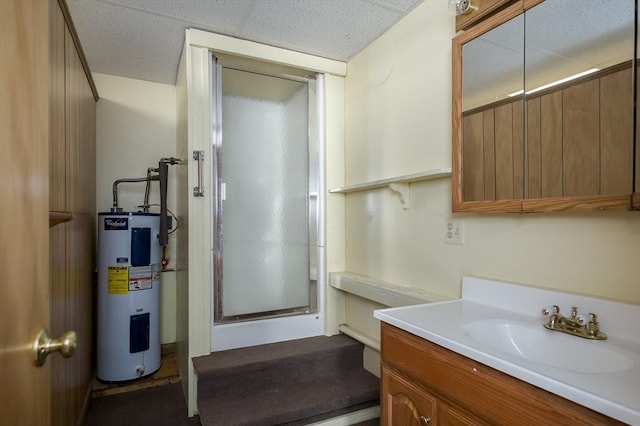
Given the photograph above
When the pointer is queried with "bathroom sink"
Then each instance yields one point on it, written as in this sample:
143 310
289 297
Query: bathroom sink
536 344
496 324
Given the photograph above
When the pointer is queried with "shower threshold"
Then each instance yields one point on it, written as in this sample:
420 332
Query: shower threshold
264 315
266 330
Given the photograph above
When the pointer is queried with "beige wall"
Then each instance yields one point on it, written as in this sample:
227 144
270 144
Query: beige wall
398 121
335 206
135 127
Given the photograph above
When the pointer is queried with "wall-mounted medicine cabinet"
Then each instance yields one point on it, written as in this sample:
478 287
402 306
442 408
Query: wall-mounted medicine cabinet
543 109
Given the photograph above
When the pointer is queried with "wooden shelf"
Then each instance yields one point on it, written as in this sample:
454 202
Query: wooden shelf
381 183
399 184
58 217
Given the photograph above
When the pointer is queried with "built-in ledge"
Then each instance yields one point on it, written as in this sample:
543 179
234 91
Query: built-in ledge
399 184
360 337
388 294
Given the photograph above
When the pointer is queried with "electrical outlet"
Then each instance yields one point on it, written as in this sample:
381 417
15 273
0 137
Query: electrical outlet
454 233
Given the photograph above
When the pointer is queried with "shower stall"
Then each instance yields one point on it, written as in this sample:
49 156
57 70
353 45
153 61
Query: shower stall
266 204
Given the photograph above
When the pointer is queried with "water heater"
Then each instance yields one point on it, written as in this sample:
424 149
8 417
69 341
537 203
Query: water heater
129 263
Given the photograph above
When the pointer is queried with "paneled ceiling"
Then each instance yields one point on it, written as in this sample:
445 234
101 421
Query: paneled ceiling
143 39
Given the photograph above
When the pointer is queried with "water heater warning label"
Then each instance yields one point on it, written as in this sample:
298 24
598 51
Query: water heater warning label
117 279
141 277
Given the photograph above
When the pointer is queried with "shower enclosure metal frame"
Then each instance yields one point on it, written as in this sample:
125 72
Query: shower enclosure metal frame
285 324
195 333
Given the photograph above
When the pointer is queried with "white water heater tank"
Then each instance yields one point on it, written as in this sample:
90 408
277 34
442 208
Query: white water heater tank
129 257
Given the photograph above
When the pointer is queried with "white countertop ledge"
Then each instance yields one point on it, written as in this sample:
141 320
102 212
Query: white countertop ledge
382 292
615 394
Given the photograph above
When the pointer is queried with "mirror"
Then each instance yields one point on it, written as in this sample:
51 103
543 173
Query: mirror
493 67
546 124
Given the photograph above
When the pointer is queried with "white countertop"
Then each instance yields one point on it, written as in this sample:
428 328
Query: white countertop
613 393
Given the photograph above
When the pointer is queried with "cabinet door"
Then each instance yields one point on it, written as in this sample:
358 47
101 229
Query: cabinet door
403 403
569 145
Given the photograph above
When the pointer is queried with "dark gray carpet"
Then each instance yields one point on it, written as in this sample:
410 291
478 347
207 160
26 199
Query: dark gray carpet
292 383
158 406
256 358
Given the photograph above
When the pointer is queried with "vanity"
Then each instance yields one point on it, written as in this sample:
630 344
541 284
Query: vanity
487 359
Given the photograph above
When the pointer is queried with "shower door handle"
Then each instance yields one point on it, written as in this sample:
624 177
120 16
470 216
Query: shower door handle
198 191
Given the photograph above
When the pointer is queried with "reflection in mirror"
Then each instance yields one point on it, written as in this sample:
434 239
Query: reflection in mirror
492 68
552 118
579 107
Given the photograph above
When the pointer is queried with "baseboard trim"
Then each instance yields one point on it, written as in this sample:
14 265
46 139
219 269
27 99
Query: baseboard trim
351 418
167 348
82 418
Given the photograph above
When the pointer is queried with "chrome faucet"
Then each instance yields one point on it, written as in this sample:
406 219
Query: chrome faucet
575 324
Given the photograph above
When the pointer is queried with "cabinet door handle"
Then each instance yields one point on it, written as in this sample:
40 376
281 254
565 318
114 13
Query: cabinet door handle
425 420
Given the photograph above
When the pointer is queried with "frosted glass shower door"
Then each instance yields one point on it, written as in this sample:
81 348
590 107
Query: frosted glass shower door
263 170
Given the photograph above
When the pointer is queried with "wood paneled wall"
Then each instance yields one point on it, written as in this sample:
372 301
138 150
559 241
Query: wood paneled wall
72 244
579 142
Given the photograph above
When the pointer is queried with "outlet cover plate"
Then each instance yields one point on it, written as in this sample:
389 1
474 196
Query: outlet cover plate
454 232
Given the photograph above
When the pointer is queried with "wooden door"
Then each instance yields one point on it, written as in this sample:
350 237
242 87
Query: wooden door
24 202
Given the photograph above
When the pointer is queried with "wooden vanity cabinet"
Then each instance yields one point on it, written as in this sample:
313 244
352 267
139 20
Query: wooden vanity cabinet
450 415
423 383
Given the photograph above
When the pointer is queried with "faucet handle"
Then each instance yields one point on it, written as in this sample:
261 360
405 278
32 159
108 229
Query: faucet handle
593 328
579 318
550 310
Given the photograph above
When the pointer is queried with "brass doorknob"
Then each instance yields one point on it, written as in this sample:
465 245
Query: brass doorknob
44 345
